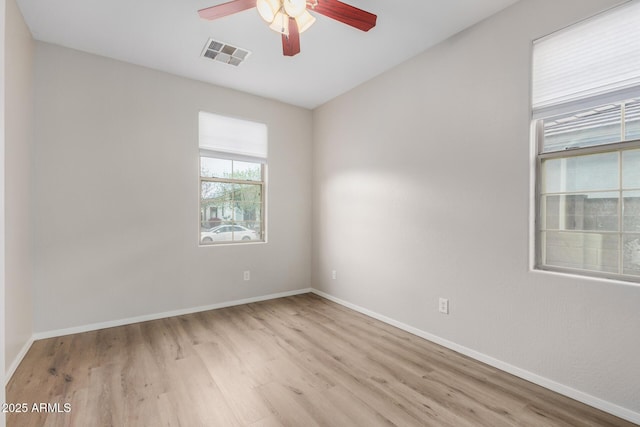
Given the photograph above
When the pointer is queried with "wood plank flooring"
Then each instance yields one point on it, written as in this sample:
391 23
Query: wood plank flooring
299 361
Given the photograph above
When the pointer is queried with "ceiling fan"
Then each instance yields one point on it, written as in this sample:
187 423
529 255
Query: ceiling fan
290 18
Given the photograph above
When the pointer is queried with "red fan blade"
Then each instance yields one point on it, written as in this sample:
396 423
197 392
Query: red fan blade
291 43
224 9
345 13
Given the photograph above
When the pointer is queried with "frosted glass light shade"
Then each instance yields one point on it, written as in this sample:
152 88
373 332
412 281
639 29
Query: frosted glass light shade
280 24
295 8
268 9
305 21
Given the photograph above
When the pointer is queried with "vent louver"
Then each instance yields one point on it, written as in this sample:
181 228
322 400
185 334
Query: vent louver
223 52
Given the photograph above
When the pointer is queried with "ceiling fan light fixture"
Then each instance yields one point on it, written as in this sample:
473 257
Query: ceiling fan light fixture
292 17
294 8
280 23
268 9
305 21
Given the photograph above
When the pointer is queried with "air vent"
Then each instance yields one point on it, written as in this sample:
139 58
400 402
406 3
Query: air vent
223 52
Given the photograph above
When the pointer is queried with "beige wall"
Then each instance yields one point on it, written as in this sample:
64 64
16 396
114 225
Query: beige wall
116 194
18 156
422 190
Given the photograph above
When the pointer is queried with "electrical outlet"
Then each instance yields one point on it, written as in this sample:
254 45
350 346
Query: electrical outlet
333 274
443 306
247 275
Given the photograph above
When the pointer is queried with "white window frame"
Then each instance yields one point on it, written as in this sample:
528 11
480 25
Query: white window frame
583 66
240 141
541 156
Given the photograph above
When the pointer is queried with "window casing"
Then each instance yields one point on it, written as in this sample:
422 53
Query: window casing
232 180
586 116
231 201
588 200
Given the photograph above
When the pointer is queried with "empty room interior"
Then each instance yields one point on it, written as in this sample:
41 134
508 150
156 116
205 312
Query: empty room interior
332 213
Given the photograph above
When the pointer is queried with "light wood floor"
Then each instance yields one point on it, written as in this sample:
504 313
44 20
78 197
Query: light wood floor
300 361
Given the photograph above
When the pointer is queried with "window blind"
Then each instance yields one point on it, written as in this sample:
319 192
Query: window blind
231 138
588 64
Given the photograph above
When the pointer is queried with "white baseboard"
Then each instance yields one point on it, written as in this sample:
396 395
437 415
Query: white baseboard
578 395
16 361
156 316
110 324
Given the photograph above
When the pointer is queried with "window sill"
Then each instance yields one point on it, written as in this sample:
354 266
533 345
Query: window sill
568 274
217 245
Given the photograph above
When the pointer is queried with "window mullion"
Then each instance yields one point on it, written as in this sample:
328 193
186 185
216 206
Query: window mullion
620 210
597 149
623 119
228 180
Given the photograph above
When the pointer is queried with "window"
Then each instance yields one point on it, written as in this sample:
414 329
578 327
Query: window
233 159
586 116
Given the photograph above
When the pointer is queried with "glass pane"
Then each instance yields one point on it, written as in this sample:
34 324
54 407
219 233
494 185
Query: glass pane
584 212
213 190
632 120
586 251
230 212
631 216
218 168
247 171
248 201
582 173
631 258
631 169
216 204
600 125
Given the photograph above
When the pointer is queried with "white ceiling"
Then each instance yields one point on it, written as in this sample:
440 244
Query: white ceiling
169 35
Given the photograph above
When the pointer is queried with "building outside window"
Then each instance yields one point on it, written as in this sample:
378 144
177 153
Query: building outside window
586 119
233 163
